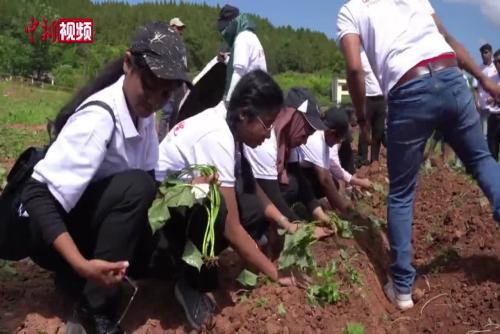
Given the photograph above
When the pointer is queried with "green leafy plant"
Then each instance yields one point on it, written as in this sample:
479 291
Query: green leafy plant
343 227
353 276
326 289
354 328
297 250
247 279
176 192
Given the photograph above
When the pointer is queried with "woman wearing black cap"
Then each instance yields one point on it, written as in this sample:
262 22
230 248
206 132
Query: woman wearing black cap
247 53
274 163
88 198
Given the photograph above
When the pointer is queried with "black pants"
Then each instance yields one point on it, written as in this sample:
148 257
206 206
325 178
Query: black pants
298 188
190 224
494 134
110 223
375 115
346 156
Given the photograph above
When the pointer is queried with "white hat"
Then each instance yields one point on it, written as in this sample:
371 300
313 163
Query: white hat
177 22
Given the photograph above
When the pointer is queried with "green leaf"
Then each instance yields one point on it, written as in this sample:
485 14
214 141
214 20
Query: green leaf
158 214
179 195
247 278
192 255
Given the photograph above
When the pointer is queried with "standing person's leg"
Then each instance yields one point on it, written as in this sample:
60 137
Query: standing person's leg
411 120
378 127
466 138
493 122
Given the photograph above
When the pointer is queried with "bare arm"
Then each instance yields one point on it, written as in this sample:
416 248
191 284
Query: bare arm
467 62
241 241
330 190
351 48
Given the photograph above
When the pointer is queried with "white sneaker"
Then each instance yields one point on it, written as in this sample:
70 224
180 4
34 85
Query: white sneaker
401 301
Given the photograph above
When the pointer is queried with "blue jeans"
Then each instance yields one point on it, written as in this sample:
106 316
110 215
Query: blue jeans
440 100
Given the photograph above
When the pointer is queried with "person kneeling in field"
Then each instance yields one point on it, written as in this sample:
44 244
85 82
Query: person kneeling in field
88 198
315 158
214 137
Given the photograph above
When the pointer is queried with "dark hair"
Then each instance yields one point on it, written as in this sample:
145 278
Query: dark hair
497 53
255 94
485 47
110 73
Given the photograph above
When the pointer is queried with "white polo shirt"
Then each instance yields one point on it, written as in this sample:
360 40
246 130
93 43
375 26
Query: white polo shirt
396 35
371 83
494 108
79 155
263 158
315 151
202 139
248 52
491 72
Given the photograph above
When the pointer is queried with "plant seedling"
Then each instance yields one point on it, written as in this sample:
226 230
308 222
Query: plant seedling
326 290
281 310
354 328
296 252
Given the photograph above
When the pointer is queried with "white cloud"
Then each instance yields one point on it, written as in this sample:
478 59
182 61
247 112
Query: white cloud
490 8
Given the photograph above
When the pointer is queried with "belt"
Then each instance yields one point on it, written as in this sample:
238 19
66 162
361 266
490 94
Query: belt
426 66
375 97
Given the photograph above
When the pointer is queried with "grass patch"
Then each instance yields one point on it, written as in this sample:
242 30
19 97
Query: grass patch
29 105
14 141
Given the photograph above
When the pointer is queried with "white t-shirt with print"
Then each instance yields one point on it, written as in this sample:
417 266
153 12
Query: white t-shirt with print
315 151
263 158
371 82
396 35
202 139
491 72
81 153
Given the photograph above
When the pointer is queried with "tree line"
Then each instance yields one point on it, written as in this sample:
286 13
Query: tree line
287 49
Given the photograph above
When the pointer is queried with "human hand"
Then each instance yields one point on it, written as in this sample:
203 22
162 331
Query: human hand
103 272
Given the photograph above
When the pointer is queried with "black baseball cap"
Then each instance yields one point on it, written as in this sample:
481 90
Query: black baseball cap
226 15
163 51
338 120
302 100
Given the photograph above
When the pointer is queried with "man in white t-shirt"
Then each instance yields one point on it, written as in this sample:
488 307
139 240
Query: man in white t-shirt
494 113
247 53
415 61
480 94
375 115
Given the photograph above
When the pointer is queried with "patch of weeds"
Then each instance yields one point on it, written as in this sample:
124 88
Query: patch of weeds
354 328
353 275
326 289
3 178
281 310
445 258
261 302
343 227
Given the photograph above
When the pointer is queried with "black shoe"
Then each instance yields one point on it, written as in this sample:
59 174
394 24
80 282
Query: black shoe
197 306
84 321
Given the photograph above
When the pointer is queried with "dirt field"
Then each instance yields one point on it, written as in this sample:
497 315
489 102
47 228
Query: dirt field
457 255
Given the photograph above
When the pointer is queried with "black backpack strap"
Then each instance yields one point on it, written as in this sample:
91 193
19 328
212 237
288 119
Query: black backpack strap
104 106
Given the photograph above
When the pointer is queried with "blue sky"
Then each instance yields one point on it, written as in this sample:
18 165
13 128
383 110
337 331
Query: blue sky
472 22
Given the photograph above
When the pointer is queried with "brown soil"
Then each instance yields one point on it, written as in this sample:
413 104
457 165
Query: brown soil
456 245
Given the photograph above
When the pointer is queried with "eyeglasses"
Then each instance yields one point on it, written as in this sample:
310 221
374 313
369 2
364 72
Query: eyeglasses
267 128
